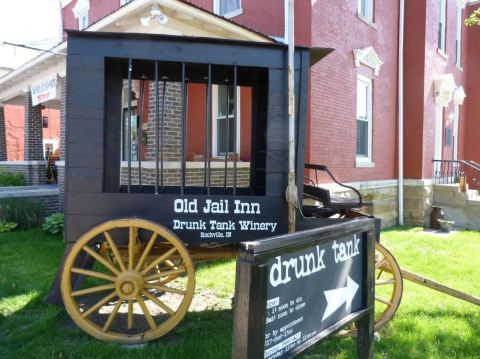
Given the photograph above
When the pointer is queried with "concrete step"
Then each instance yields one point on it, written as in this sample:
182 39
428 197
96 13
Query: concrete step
453 187
473 195
474 202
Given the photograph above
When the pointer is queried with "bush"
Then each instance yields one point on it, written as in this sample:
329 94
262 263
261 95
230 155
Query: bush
25 212
11 179
7 226
53 224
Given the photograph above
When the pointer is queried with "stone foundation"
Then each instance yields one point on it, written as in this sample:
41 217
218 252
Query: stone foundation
418 200
383 196
457 206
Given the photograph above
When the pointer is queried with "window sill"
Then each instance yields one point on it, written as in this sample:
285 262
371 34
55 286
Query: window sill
364 164
442 54
366 21
233 14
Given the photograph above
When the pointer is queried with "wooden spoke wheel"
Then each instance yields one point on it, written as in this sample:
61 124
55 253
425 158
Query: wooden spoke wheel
388 286
128 281
388 289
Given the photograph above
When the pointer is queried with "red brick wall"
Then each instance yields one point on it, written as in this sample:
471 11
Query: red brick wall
472 101
264 16
14 129
424 63
332 127
414 66
98 10
14 124
196 121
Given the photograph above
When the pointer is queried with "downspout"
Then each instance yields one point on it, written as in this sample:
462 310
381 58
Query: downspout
291 192
401 27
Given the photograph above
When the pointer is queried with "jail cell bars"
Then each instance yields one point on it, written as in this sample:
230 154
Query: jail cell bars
170 128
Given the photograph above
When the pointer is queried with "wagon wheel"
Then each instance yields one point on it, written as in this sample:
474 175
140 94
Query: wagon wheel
135 294
388 288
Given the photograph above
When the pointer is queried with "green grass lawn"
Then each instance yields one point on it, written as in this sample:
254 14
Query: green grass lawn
427 325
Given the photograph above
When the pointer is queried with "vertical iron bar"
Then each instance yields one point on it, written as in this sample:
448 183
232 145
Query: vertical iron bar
129 124
235 104
139 132
184 120
445 177
450 180
157 135
443 173
205 150
161 130
227 139
209 120
449 172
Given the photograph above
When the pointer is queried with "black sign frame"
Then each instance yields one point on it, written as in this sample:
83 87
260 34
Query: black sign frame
251 288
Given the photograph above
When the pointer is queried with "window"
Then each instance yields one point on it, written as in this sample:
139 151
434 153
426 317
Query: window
227 8
80 10
364 119
45 122
83 21
365 9
124 2
133 145
225 130
442 25
49 147
458 41
448 137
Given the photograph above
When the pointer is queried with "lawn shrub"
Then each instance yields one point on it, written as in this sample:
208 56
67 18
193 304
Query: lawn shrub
7 226
53 223
8 179
27 213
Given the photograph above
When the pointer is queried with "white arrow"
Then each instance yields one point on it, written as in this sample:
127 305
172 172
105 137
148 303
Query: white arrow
336 297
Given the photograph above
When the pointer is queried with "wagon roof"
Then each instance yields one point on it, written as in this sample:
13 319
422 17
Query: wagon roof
316 53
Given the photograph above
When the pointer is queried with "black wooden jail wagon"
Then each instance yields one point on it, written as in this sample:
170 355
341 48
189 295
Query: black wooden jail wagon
177 150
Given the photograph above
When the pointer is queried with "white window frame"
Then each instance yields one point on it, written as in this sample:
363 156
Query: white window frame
47 141
214 122
458 47
365 161
81 17
124 2
368 15
456 122
80 11
228 15
442 30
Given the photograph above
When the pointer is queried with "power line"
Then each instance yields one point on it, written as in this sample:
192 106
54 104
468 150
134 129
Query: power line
36 42
28 47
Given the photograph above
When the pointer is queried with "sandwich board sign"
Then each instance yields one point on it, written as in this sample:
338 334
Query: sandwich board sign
295 290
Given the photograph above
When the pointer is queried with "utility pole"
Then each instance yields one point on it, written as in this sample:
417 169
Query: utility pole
291 193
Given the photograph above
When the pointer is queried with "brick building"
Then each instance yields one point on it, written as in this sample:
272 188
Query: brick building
376 118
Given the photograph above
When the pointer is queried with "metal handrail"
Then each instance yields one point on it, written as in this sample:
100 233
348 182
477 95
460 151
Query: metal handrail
454 168
475 164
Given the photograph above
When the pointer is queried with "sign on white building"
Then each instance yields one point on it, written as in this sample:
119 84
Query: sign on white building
44 90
